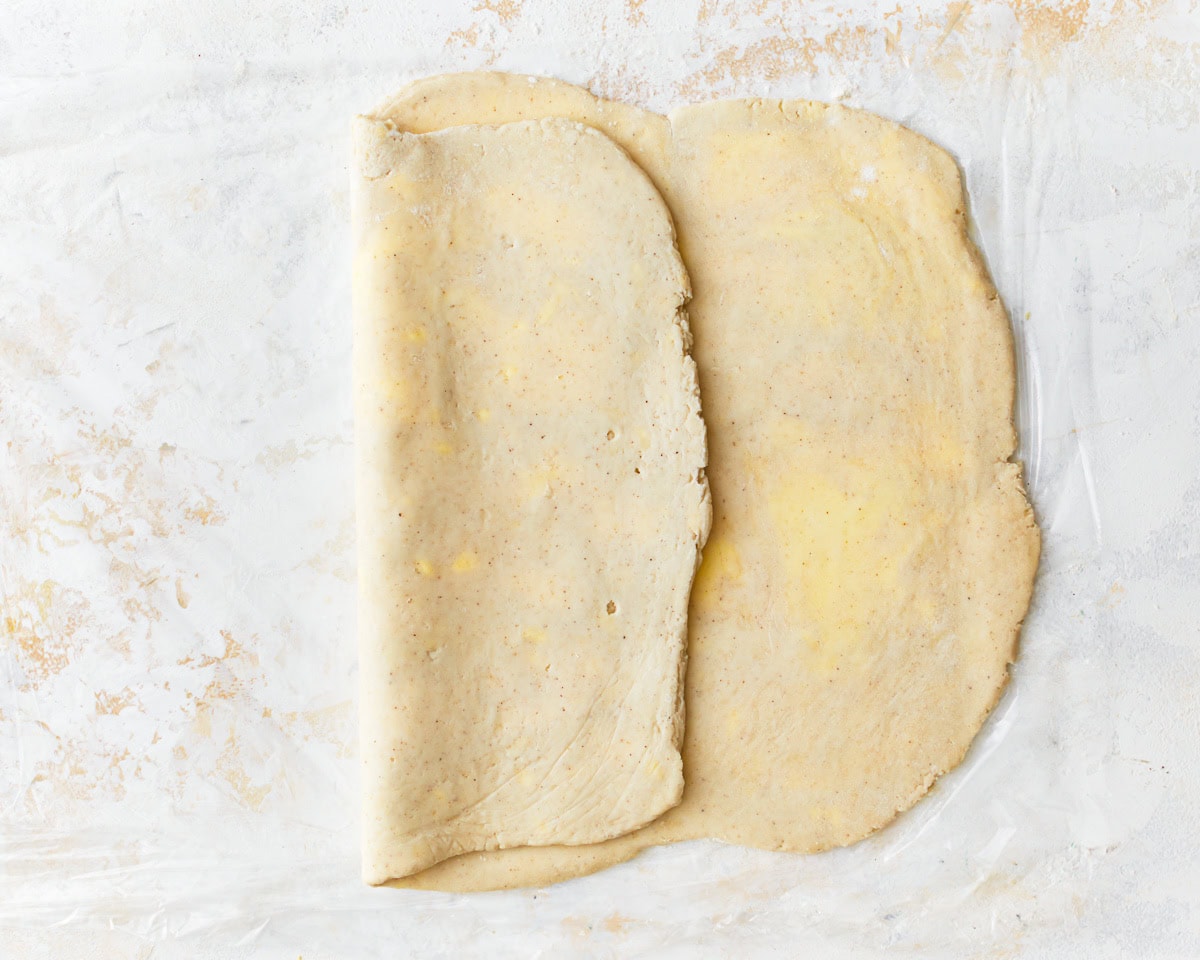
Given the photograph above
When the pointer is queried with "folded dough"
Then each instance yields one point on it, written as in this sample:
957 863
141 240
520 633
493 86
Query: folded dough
531 490
872 553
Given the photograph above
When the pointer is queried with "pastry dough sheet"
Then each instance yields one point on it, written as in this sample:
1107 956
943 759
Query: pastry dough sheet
531 490
873 552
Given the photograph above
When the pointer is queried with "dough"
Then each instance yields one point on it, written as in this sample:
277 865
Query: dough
873 552
531 490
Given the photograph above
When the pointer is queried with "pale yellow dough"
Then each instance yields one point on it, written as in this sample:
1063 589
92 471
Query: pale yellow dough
873 552
531 490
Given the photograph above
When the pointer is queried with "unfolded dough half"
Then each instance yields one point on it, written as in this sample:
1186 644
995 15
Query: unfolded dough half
873 552
531 490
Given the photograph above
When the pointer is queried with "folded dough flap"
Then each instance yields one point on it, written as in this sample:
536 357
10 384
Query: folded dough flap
531 492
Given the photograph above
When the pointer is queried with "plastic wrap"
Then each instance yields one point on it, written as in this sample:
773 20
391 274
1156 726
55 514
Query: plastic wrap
177 722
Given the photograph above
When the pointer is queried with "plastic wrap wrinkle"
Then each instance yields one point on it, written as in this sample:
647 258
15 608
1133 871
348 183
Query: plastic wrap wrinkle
178 763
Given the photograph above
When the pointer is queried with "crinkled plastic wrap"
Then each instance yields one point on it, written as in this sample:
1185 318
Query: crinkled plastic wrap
177 687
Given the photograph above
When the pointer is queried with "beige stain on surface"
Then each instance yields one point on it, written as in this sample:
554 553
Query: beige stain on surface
1044 24
42 622
616 924
580 928
506 10
113 703
468 37
82 770
206 513
286 454
45 356
233 650
956 14
108 491
952 42
332 724
774 58
332 557
231 768
222 714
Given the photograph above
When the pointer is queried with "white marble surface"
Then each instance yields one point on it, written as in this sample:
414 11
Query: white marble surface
177 675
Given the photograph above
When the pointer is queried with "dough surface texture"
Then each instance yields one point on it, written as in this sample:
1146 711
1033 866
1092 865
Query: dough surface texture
872 552
531 490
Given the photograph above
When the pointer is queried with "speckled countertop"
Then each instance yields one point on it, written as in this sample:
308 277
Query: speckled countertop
177 678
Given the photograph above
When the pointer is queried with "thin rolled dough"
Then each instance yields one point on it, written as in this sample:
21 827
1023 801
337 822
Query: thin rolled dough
873 552
531 490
